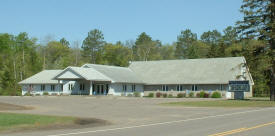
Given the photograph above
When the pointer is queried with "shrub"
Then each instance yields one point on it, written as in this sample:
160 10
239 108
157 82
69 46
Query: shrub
191 94
216 95
45 93
137 94
151 95
206 95
198 95
170 96
37 94
165 95
202 94
129 95
27 94
158 94
181 95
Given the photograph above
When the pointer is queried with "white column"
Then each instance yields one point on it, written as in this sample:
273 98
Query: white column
91 87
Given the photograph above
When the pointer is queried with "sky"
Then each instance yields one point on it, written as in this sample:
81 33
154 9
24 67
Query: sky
119 20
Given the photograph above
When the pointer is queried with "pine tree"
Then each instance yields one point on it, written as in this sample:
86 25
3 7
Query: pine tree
259 23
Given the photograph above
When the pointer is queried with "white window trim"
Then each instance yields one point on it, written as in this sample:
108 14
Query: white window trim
164 88
221 87
124 87
42 87
52 87
179 88
70 87
133 87
194 87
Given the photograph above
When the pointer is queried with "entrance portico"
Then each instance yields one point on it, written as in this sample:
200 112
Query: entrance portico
83 81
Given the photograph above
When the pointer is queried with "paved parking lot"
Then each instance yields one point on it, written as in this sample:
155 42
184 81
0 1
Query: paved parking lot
121 111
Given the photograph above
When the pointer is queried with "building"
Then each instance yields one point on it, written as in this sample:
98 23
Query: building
171 76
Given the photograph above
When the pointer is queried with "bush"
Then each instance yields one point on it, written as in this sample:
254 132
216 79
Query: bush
198 95
129 95
37 94
137 94
151 95
202 94
158 94
206 95
191 94
45 93
170 96
181 95
27 94
216 95
165 95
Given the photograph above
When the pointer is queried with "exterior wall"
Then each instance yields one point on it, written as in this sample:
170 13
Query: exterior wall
188 88
116 89
66 86
36 89
213 87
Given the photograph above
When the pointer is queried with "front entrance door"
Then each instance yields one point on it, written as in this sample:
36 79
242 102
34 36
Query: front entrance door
99 89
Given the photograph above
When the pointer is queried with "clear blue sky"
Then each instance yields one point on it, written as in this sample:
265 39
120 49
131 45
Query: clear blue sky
120 20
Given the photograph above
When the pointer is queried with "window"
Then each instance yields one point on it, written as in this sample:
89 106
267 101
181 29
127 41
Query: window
133 88
164 88
179 88
30 87
124 87
107 87
221 87
102 88
194 88
61 87
81 86
70 86
42 87
52 87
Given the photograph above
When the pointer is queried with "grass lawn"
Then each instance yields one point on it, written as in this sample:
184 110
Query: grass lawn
224 103
14 122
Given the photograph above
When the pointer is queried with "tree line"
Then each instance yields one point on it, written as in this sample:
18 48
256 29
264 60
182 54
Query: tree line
22 56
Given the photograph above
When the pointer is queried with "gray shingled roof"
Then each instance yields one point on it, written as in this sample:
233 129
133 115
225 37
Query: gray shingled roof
117 74
43 77
189 71
86 73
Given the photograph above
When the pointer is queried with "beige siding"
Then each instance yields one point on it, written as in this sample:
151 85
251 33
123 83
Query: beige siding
209 87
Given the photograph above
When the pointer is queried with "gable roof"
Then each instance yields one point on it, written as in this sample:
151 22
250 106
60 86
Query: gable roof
189 71
43 77
81 73
115 73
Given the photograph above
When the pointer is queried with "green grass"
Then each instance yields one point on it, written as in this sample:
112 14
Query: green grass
14 121
224 103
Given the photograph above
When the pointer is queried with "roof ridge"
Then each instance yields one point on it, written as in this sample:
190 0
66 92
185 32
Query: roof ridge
189 59
104 65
